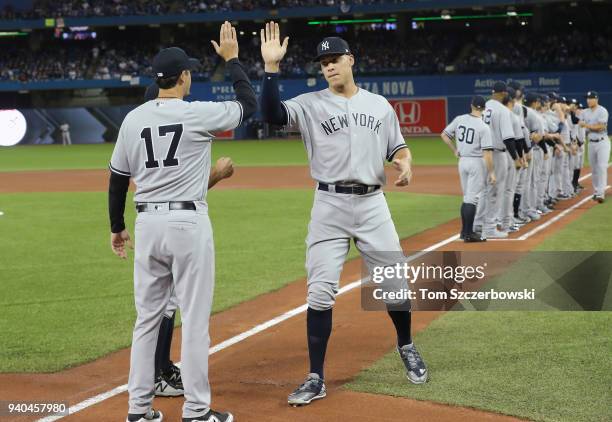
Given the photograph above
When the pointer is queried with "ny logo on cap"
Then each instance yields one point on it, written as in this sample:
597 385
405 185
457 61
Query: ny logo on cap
325 45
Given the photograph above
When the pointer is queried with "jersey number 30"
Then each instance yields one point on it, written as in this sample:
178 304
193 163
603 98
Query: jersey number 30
465 135
170 160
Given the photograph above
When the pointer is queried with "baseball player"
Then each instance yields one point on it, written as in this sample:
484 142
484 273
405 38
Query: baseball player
164 145
579 136
534 124
475 151
525 174
65 129
348 132
168 381
497 116
595 120
506 216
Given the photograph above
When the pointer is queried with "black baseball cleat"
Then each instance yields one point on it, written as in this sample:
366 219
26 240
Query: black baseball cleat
313 388
599 199
473 238
212 416
169 382
416 370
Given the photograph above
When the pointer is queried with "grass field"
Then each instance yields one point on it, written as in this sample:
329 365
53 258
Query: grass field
70 300
545 366
426 151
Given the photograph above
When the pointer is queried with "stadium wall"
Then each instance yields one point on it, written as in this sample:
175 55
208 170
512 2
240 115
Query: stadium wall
424 104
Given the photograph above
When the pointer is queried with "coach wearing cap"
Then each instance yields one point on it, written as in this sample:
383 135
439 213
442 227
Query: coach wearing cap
595 121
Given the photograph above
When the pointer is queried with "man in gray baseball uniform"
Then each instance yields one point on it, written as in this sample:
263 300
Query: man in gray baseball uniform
164 145
595 120
535 127
474 147
168 380
497 116
348 133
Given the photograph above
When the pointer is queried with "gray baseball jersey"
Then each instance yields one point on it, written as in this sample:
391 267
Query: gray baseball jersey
599 147
471 134
164 145
552 120
347 140
498 117
533 122
341 135
516 126
597 115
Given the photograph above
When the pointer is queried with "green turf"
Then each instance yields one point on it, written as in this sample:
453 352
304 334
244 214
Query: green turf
426 151
591 232
67 299
545 366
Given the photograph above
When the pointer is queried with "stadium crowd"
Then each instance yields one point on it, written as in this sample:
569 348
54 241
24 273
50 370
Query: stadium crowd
376 52
86 8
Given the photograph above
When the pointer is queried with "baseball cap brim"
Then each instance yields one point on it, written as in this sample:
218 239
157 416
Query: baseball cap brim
320 56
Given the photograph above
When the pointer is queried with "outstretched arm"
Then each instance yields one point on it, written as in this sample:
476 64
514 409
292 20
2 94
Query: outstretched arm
272 52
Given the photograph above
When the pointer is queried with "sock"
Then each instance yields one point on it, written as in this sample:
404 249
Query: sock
402 321
164 341
575 178
318 328
470 215
516 203
463 220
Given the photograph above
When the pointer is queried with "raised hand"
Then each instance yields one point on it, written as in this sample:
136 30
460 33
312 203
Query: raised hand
228 42
272 51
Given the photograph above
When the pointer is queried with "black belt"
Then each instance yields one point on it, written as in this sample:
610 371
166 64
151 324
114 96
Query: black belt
597 140
356 189
500 150
172 206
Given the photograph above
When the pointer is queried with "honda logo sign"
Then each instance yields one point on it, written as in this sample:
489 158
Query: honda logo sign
408 112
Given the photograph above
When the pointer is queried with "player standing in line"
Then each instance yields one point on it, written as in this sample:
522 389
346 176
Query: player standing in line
348 133
497 116
525 173
475 152
506 220
552 138
168 381
579 137
534 125
595 120
570 145
165 146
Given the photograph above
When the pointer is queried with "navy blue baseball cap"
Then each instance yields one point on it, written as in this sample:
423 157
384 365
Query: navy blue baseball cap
531 97
331 46
592 94
151 92
478 102
544 98
515 85
172 61
511 93
571 101
499 87
580 106
553 97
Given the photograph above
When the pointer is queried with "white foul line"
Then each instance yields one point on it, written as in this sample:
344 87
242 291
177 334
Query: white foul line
237 338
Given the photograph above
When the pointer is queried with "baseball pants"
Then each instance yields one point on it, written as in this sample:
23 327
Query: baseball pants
174 249
529 198
336 218
506 212
492 194
599 155
542 180
473 175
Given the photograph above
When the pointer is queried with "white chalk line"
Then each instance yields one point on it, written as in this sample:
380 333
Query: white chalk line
237 338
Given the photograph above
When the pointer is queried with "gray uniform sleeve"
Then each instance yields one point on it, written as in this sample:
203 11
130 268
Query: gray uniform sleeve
451 128
119 160
218 116
602 116
505 125
486 139
396 139
295 114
